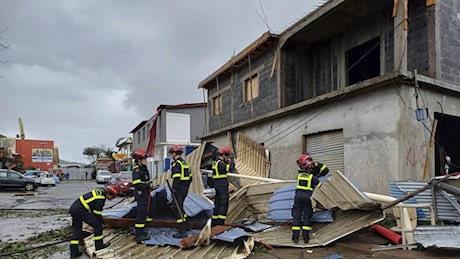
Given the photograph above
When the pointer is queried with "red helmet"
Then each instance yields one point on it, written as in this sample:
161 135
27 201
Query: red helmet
139 154
112 189
223 150
176 149
304 161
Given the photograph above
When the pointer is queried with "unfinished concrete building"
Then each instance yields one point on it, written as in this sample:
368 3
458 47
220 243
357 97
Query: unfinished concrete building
370 89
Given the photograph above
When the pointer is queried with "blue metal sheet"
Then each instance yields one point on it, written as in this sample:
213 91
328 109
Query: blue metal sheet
164 236
281 204
231 235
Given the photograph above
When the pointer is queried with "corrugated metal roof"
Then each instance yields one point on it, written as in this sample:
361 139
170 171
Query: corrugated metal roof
252 201
124 246
439 236
339 192
447 207
281 204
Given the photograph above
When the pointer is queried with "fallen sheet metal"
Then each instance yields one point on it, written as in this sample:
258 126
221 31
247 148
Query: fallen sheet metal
345 223
439 236
339 192
124 246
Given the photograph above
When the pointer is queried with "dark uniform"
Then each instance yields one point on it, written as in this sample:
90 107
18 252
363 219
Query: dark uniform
302 210
87 208
319 169
141 183
182 177
219 175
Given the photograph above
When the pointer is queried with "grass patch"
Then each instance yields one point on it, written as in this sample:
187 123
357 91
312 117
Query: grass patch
32 213
36 246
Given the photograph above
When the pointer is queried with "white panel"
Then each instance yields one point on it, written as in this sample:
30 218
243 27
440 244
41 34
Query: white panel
177 128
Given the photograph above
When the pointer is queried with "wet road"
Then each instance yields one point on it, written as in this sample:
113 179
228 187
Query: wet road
60 196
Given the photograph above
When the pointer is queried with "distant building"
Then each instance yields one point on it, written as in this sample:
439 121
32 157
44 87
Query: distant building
181 124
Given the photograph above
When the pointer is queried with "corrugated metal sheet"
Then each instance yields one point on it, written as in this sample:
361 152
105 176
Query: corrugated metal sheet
281 203
345 222
124 246
339 192
447 207
439 236
251 160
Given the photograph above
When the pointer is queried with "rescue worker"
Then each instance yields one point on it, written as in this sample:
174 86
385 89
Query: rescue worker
302 210
319 169
220 168
88 208
182 177
141 183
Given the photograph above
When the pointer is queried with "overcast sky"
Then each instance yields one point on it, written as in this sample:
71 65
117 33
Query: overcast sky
84 73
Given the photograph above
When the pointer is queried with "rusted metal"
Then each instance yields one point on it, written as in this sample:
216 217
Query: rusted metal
129 222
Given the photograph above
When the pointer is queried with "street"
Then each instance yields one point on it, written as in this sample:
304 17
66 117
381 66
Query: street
27 214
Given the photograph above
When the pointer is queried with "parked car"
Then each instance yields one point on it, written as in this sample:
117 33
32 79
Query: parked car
43 177
103 176
14 179
123 182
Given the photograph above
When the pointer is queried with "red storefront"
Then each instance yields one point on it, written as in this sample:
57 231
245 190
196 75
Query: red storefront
37 153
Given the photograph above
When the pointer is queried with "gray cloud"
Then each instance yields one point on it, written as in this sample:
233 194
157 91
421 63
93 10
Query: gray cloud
85 73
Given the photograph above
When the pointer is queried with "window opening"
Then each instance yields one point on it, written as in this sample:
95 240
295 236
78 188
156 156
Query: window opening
363 61
251 88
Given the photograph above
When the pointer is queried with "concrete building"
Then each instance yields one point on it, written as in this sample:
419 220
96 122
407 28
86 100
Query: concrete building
181 124
372 90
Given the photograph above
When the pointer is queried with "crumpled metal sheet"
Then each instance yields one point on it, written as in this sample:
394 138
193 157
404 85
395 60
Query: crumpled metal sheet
439 236
124 246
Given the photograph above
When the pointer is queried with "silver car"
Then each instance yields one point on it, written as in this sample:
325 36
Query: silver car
103 176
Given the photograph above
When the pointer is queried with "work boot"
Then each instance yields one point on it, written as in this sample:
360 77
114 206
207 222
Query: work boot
306 236
295 236
141 235
101 246
181 231
75 254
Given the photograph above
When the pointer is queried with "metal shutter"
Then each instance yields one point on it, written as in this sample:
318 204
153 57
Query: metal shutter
327 148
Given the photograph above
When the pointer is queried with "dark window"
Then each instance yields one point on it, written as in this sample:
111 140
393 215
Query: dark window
363 61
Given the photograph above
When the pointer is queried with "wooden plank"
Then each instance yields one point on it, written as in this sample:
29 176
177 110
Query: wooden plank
129 222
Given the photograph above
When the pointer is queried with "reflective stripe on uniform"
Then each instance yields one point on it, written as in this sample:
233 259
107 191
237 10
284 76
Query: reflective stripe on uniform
219 217
139 181
304 181
184 165
295 228
74 242
306 227
96 194
322 168
215 173
139 225
98 237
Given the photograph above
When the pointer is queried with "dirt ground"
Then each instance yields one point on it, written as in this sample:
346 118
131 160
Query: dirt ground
356 246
